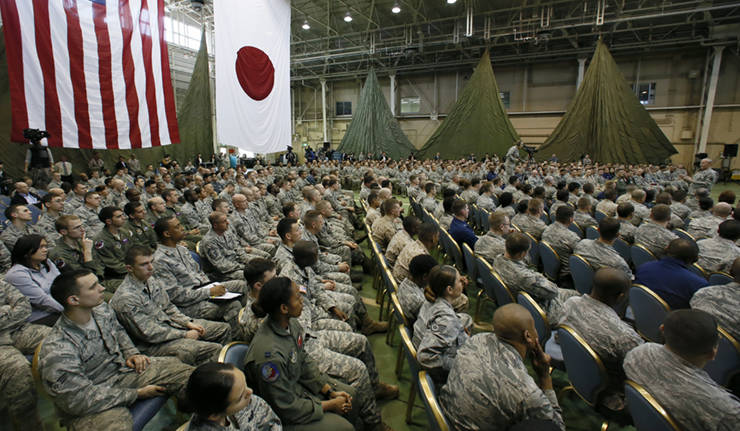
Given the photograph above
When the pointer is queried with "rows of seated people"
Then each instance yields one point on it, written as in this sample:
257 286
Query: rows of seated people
140 304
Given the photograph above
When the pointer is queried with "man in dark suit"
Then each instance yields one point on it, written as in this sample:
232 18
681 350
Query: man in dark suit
23 196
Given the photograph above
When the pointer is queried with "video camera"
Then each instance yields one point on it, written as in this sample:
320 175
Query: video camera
35 135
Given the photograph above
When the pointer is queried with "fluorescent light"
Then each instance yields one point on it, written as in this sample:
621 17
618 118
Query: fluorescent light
348 17
306 26
451 1
396 8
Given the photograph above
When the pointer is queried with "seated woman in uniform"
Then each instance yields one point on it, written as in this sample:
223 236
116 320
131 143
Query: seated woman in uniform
282 373
221 400
438 331
32 274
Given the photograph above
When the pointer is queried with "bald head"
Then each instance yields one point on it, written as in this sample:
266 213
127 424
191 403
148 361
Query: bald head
722 209
510 321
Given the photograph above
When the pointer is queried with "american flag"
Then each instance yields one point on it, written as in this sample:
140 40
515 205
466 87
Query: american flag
93 73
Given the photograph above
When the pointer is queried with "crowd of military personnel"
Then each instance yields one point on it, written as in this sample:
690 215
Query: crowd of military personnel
132 283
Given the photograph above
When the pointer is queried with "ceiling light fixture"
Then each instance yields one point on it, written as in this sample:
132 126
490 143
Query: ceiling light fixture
451 1
348 17
305 25
396 8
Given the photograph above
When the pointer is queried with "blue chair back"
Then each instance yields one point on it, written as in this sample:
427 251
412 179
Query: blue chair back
698 270
452 248
143 411
470 266
727 362
650 310
534 249
598 215
435 417
577 229
719 278
550 261
586 370
552 216
685 235
5 200
646 412
234 354
640 254
35 213
538 314
485 225
474 216
196 258
494 287
582 273
623 248
545 218
592 232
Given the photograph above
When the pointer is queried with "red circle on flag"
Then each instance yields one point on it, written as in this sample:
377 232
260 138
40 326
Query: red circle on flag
255 72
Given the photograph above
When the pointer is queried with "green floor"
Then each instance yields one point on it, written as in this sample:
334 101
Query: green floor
578 415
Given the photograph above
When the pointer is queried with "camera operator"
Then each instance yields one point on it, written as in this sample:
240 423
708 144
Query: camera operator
38 158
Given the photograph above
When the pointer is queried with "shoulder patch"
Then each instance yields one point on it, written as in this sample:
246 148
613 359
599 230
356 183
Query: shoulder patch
99 244
269 372
59 263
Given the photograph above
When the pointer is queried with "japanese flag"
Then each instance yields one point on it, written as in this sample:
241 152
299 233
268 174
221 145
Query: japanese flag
253 74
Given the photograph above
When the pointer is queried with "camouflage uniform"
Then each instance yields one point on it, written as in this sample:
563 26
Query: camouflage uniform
703 180
158 327
175 268
606 333
702 404
642 213
142 234
654 237
717 254
73 202
400 240
116 199
284 255
84 371
486 203
11 234
489 246
439 334
529 224
704 227
411 297
288 379
607 207
45 226
489 388
563 241
333 244
723 302
383 230
90 219
256 416
327 263
401 267
224 254
627 231
5 262
191 219
584 220
111 251
520 278
680 210
600 255
372 215
18 338
247 229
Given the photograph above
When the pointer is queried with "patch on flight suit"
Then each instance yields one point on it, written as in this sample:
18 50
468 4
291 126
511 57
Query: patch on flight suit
59 263
99 244
269 372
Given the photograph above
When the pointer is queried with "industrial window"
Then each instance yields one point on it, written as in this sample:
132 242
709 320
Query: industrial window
344 108
410 105
646 94
505 98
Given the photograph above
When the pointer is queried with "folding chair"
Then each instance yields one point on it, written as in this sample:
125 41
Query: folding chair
646 412
649 310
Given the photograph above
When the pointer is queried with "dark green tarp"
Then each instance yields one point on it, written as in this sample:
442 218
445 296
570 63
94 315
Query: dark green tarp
606 121
477 123
373 128
194 117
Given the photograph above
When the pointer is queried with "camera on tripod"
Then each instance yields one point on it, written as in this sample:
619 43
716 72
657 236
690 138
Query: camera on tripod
35 135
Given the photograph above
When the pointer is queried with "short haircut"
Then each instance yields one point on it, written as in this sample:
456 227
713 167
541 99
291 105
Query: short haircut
625 209
678 195
218 201
373 197
12 209
638 194
684 250
411 225
516 243
284 226
562 195
427 232
215 217
706 203
136 251
505 199
161 226
311 217
573 186
65 285
288 208
610 282
588 188
388 205
690 333
89 194
727 196
421 265
663 198
730 229
609 228
661 213
107 213
254 271
534 205
564 213
497 218
62 222
130 207
305 253
583 203
459 206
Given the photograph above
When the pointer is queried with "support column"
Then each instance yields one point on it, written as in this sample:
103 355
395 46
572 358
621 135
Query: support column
323 110
524 87
393 94
581 71
711 93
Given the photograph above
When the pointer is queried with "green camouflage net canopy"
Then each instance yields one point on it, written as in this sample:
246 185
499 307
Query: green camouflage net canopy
373 128
477 123
606 121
